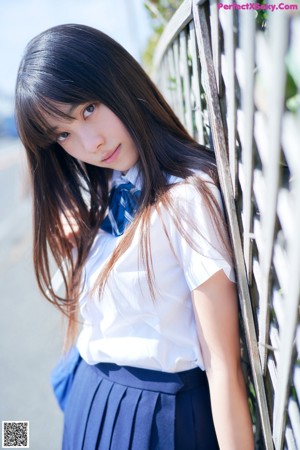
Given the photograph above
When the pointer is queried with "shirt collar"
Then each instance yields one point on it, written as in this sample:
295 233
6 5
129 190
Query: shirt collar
133 175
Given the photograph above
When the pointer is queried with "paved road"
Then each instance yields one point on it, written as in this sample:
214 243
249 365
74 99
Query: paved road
30 328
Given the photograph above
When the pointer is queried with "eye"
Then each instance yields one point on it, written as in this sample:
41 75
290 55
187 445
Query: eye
62 136
89 110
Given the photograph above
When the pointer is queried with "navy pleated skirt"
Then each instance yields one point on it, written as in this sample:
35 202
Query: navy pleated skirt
125 408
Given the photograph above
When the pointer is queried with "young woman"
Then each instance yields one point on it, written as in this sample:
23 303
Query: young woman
128 205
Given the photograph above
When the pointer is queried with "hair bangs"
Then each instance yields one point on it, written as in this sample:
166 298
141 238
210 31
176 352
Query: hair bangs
35 126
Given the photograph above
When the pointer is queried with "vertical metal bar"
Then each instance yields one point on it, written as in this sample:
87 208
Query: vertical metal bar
196 85
180 110
226 18
224 174
289 333
247 38
277 50
172 78
186 81
215 41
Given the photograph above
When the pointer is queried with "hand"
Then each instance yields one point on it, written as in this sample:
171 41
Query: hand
70 228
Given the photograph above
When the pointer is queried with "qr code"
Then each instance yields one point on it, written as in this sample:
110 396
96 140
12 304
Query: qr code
15 434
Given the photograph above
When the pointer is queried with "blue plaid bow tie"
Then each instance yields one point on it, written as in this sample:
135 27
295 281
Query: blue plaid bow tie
122 207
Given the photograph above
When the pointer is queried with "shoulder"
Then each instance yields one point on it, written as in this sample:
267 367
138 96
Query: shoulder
193 221
194 190
192 204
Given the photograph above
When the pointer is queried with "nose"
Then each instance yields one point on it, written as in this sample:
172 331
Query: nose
91 141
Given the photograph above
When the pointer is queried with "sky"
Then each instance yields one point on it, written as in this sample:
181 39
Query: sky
20 20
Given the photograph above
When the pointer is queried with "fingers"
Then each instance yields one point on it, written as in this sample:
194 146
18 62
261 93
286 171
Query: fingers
70 227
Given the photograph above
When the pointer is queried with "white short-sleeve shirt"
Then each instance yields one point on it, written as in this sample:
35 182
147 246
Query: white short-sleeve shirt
127 326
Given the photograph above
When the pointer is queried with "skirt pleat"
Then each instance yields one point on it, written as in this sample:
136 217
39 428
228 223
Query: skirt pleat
122 432
142 425
111 414
96 416
205 430
163 426
83 391
125 408
187 423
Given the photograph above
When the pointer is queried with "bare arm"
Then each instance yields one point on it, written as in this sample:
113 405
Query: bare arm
216 312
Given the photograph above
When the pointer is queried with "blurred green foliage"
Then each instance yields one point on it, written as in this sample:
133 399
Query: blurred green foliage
160 12
261 16
292 91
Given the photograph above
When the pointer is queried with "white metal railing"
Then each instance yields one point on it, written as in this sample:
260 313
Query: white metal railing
227 80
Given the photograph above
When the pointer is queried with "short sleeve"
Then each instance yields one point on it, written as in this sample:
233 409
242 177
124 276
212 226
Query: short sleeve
199 249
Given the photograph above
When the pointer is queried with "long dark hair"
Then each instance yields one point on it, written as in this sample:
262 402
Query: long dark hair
75 64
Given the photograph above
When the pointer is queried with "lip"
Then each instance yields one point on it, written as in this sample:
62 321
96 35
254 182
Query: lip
112 155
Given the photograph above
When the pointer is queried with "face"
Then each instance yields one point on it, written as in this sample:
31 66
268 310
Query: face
95 135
